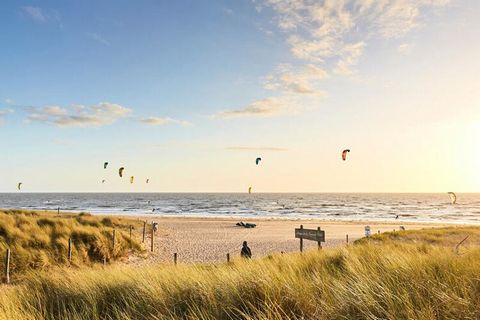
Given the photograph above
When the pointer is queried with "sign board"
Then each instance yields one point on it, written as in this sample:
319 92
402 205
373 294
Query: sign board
310 234
367 231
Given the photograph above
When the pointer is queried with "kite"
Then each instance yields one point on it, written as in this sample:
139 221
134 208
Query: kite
131 179
453 197
19 185
257 161
249 190
344 154
105 165
120 171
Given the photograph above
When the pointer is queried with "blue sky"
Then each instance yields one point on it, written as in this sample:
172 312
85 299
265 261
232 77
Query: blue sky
189 93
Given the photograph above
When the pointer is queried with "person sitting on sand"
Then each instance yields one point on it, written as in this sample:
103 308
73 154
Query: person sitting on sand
246 252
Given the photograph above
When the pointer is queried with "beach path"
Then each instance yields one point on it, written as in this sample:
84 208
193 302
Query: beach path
207 240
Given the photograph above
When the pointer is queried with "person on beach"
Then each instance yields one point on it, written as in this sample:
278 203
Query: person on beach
246 252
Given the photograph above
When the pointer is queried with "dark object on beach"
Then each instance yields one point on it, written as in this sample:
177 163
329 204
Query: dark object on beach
155 226
402 228
246 252
396 217
246 224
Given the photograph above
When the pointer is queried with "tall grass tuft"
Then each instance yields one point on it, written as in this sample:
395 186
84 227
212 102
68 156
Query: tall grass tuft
39 240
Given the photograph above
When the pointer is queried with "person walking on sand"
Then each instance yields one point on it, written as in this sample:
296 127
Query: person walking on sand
246 252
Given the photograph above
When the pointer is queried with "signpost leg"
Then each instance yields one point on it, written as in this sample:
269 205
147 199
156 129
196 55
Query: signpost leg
319 242
151 240
113 241
131 236
301 240
70 250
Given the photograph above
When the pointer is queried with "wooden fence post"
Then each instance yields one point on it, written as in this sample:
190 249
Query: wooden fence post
144 228
319 243
131 236
151 240
228 257
113 241
7 267
301 240
175 258
347 238
70 250
104 261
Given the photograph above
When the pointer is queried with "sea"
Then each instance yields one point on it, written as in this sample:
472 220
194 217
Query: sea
409 207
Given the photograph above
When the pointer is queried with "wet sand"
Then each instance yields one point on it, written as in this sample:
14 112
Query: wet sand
206 240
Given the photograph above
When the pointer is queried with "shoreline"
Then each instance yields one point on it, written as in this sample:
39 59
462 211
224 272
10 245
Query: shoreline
257 218
244 218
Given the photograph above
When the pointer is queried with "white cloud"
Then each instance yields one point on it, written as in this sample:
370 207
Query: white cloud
98 38
327 37
40 15
350 56
3 113
336 31
267 107
103 113
160 121
301 81
227 11
35 13
61 142
404 48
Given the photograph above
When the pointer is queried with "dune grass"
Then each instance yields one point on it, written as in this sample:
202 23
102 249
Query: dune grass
401 275
39 240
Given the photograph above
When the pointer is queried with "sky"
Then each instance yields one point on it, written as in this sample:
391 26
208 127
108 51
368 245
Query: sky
189 93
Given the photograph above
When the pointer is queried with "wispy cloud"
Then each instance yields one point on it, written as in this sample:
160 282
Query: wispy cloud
61 142
247 148
98 38
301 81
3 113
262 108
227 11
40 15
327 37
350 55
405 48
35 13
337 31
160 121
78 115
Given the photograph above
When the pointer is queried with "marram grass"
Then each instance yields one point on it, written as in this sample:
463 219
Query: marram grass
386 277
39 240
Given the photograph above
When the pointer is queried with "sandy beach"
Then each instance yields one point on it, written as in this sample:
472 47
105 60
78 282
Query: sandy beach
205 240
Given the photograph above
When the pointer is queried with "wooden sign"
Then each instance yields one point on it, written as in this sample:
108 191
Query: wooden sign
310 234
